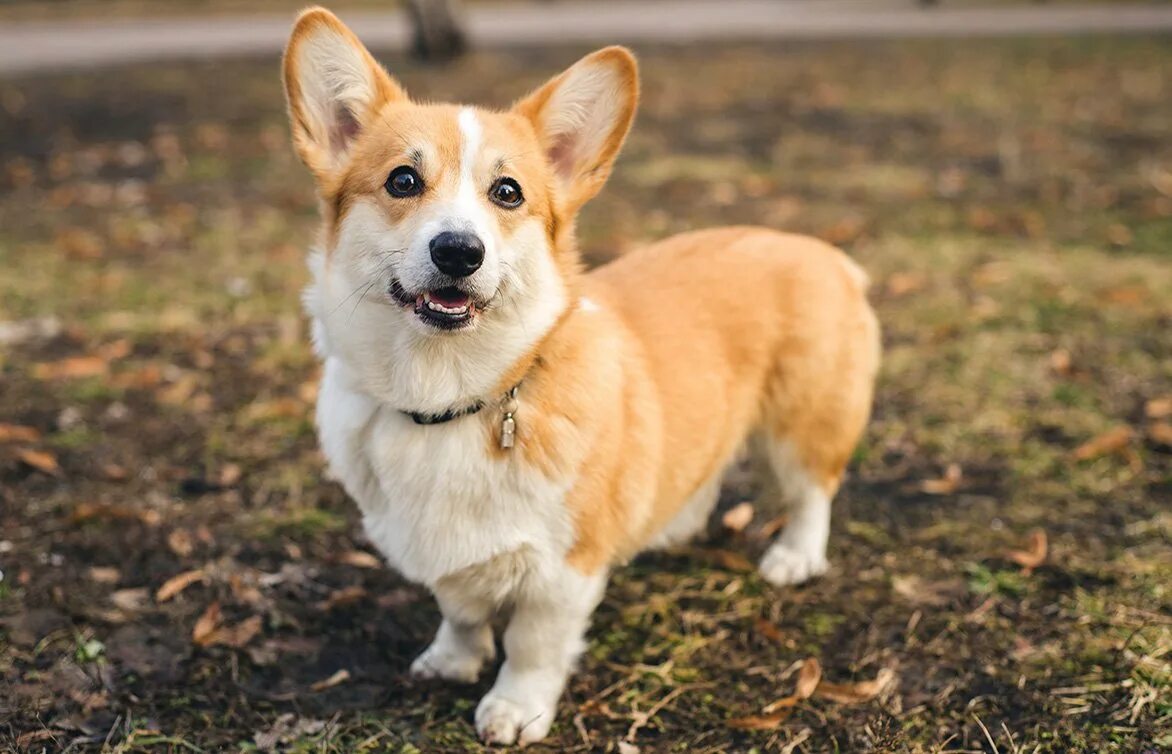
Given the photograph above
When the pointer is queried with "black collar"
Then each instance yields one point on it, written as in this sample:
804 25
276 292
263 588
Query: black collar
447 416
451 413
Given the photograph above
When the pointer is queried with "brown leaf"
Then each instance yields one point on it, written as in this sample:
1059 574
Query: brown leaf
773 526
808 678
946 485
730 561
345 596
41 460
1161 432
105 574
336 679
1061 362
359 559
118 349
760 722
1159 408
856 693
72 368
235 636
181 542
178 583
1111 441
768 629
932 593
205 627
230 474
902 283
114 473
737 517
91 511
131 600
18 433
79 243
1034 556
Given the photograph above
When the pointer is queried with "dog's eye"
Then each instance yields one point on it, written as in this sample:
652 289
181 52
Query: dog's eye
507 193
404 181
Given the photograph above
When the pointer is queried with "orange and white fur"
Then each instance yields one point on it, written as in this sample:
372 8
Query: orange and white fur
448 273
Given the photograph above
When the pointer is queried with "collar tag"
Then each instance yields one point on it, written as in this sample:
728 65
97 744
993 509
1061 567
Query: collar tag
508 423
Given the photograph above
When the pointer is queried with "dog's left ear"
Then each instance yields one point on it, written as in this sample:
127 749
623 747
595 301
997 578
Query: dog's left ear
582 117
335 88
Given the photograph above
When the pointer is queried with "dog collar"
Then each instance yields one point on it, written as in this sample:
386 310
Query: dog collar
508 422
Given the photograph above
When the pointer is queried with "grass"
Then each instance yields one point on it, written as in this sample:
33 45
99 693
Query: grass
1013 204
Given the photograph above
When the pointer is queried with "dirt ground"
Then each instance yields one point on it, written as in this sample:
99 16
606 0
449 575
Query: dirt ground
177 575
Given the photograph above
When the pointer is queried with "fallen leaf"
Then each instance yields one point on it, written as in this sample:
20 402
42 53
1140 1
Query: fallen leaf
181 542
856 693
234 636
72 368
1034 556
91 511
946 485
1161 432
104 574
345 596
760 722
230 474
729 560
768 629
41 460
1159 408
79 243
336 679
205 627
1111 441
18 433
809 678
115 473
131 600
1061 362
625 747
932 593
902 283
178 583
737 517
773 526
118 349
359 559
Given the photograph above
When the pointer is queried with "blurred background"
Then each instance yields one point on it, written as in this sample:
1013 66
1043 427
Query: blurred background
177 575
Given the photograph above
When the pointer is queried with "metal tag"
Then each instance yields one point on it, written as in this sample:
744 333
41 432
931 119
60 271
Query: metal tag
508 431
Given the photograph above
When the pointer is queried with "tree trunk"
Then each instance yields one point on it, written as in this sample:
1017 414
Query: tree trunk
438 29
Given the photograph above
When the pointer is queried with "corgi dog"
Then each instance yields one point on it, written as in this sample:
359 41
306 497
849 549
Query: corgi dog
513 427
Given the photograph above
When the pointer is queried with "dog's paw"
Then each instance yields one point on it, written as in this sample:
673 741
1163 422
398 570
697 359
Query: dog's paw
784 565
505 721
452 663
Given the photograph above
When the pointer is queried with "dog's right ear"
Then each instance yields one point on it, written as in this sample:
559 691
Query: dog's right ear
335 88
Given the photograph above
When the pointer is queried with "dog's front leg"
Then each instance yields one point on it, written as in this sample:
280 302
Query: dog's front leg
464 640
542 641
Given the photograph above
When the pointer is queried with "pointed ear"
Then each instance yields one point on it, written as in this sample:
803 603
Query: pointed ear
334 87
582 117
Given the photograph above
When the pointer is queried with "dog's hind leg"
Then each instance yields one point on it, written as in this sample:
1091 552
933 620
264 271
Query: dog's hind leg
800 552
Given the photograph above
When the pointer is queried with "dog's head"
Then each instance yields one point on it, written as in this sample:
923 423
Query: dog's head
446 226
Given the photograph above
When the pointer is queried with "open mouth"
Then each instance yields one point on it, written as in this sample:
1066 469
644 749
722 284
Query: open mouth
446 308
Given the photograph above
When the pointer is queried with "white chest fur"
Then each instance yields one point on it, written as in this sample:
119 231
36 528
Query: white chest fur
434 499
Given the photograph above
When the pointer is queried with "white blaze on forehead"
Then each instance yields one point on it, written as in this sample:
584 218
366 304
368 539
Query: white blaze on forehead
471 132
467 211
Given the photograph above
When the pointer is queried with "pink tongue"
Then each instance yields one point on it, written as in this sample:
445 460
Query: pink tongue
449 297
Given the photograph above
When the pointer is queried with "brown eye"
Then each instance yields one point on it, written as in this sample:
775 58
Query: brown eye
507 193
404 181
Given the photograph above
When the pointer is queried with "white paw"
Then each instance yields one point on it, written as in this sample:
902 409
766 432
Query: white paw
784 565
504 721
451 662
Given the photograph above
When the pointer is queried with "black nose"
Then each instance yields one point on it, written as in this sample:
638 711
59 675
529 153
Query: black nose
458 254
